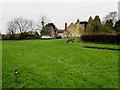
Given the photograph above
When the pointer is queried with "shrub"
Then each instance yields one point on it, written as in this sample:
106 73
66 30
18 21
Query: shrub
105 39
5 37
59 37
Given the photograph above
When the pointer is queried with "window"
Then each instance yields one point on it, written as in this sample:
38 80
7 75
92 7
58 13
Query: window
71 30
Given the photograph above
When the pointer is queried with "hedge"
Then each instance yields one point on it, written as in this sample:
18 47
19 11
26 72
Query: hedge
105 39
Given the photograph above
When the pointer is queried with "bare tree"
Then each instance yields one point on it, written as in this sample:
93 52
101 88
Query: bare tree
112 16
12 29
32 27
22 24
42 22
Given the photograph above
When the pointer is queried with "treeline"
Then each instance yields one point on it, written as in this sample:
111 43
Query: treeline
109 25
106 32
21 28
25 35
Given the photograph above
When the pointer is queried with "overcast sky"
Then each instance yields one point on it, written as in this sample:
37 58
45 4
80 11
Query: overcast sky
56 12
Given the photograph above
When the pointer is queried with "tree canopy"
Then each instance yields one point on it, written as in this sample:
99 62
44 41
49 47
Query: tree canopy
117 26
94 25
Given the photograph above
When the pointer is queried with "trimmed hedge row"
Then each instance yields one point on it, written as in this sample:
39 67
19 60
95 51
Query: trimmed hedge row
104 39
19 37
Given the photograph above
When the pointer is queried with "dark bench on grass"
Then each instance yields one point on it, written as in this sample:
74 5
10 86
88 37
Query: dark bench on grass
70 40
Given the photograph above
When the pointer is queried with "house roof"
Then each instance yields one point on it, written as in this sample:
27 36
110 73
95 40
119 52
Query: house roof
71 25
60 31
47 28
80 26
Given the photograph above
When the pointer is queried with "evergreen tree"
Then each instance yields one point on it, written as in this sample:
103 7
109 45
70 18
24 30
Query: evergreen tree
109 23
90 20
108 26
89 25
96 24
117 26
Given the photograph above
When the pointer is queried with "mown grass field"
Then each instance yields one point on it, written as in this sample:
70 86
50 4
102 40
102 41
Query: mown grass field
56 64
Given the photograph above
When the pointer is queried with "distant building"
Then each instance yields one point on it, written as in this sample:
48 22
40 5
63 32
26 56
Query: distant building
49 30
73 30
60 33
84 24
119 10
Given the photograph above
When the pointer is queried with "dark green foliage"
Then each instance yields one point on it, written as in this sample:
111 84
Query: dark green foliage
25 35
108 27
96 24
109 23
106 39
12 36
6 37
89 25
29 35
36 36
17 37
59 37
110 15
9 37
117 26
90 20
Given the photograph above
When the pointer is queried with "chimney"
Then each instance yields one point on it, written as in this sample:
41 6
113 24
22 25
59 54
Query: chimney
65 26
78 21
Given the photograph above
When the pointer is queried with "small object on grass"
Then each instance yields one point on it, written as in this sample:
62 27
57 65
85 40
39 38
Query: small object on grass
16 75
70 40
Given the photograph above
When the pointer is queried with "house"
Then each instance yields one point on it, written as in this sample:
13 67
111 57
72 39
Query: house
73 30
60 33
49 30
84 24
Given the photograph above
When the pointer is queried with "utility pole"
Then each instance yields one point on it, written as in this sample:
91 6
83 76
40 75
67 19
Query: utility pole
119 10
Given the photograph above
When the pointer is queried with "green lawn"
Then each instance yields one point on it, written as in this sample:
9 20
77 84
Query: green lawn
56 64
